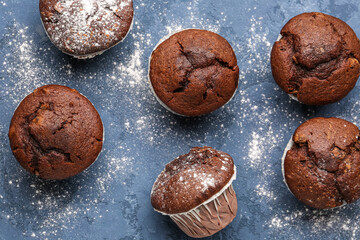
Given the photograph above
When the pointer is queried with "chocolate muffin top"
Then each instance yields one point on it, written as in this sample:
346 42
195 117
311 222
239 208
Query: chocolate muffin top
191 179
83 27
317 58
56 132
322 169
194 72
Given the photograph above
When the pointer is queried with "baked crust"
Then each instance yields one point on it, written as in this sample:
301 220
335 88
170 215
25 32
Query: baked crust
191 179
317 58
56 132
194 72
322 169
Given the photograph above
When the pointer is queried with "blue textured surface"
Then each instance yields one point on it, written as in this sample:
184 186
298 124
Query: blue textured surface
110 200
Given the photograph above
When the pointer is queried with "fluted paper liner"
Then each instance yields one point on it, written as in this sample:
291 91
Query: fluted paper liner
208 219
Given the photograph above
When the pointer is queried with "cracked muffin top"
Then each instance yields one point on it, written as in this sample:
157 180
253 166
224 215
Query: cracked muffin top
85 28
191 179
317 58
194 72
322 168
56 132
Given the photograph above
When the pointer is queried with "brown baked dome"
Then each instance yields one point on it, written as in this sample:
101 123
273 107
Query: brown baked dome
198 176
56 132
317 58
86 28
194 72
196 191
322 168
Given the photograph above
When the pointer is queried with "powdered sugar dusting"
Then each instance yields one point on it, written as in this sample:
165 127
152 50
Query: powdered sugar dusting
321 221
258 146
134 69
53 205
253 58
77 25
193 175
207 181
23 64
263 192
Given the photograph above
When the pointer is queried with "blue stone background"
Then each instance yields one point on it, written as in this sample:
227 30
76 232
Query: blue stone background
111 199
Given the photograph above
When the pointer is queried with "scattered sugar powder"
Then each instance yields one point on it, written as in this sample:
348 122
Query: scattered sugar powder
253 59
262 191
134 67
194 19
21 64
259 146
320 222
48 208
134 70
264 148
55 208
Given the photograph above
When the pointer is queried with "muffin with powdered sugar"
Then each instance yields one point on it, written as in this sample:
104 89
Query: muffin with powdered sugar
86 28
196 191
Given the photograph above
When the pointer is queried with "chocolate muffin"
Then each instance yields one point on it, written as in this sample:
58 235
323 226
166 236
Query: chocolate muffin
322 163
316 59
86 28
196 191
194 72
56 132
